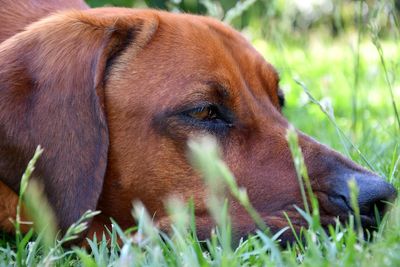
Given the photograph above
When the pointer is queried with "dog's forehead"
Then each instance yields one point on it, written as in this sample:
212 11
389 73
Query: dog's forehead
187 54
215 46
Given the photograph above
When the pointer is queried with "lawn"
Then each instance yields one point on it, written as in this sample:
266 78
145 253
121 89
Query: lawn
340 89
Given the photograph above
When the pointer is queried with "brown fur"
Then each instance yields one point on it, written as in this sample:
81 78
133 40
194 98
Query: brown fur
16 15
98 89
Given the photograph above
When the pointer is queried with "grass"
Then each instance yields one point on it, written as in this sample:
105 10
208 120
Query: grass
326 71
343 91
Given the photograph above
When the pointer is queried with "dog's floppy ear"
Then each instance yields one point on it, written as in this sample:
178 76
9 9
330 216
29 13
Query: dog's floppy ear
51 82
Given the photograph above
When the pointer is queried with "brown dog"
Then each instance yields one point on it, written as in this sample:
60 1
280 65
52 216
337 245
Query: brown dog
114 94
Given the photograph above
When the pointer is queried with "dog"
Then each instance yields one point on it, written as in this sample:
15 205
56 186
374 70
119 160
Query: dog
113 95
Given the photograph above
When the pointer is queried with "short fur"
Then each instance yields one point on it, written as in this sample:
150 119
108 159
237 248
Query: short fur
98 89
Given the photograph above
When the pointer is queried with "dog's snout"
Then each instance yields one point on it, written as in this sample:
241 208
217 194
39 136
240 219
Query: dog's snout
374 193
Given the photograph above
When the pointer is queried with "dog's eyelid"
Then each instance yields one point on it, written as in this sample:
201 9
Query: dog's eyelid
219 109
208 114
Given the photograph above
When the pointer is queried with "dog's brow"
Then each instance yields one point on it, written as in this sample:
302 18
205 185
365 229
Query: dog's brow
221 90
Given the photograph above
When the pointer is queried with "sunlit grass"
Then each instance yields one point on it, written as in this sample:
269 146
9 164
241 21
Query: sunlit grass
326 68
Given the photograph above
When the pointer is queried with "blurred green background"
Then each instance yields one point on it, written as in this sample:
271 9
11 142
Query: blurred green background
292 15
346 53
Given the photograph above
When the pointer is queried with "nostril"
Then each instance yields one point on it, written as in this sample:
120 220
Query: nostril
368 207
374 208
379 208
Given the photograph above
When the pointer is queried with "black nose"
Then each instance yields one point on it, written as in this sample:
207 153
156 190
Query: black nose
374 193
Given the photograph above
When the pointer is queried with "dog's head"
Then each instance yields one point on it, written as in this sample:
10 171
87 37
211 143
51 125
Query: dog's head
113 95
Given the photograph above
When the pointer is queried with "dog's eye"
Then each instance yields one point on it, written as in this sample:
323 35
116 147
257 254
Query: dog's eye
207 113
212 117
281 98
